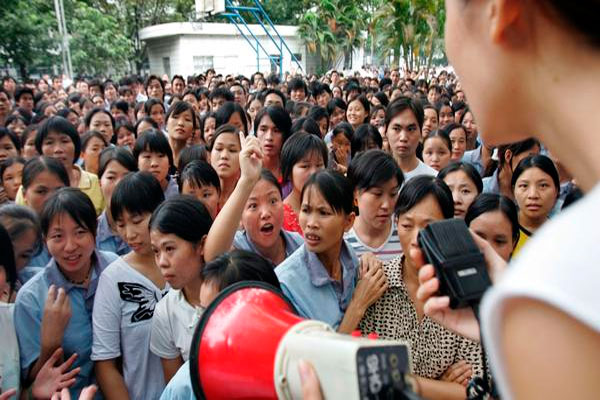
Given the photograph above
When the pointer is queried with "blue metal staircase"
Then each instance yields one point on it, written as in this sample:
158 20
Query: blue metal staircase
257 11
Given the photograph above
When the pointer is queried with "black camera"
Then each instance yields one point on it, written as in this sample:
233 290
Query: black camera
459 265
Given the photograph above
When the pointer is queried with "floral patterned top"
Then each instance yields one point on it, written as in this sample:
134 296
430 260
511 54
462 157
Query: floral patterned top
290 220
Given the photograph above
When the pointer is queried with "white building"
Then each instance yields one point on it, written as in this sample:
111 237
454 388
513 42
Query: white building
192 47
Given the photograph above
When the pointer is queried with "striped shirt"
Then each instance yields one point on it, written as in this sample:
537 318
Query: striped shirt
389 250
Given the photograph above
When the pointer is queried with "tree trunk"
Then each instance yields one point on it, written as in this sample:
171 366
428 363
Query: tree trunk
23 71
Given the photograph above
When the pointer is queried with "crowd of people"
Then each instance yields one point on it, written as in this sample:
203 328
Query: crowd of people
128 205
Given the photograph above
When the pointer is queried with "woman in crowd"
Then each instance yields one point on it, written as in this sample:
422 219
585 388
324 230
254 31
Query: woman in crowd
468 121
125 134
178 231
322 278
376 179
11 176
341 147
144 124
181 124
494 218
458 137
10 146
536 187
464 182
68 282
224 158
126 296
92 143
200 180
399 315
336 108
101 121
301 156
272 127
256 202
58 139
155 109
431 120
28 142
358 111
437 150
115 164
446 114
208 126
233 114
154 155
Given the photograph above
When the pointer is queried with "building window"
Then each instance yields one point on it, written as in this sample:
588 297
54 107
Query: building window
167 66
202 63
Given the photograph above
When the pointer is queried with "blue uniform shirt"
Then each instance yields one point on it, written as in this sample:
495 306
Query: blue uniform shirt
307 284
29 309
292 240
106 240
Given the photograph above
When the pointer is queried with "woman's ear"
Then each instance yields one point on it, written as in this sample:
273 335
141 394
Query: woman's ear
349 221
200 248
508 155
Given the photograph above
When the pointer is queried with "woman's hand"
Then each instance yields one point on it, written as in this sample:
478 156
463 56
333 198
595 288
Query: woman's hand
8 394
370 287
87 393
341 156
311 388
57 313
368 261
250 158
460 372
461 321
52 378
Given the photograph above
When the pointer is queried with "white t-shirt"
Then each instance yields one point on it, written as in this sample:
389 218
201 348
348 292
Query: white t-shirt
173 326
122 320
389 250
421 169
10 369
558 266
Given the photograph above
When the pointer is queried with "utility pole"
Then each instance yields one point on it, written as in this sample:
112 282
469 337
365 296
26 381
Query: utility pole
62 30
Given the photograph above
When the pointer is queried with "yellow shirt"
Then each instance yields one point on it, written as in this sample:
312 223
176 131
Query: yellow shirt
88 184
524 236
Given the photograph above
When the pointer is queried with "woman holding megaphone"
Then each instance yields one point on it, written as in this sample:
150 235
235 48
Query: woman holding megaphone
528 51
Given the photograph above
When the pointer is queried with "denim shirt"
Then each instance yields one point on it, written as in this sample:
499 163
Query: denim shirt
473 157
172 188
490 184
29 309
307 284
292 241
106 240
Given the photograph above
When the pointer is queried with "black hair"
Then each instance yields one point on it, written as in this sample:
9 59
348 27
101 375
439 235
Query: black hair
297 84
14 117
221 130
307 125
88 117
17 220
73 202
400 105
267 175
177 77
121 105
151 78
182 216
439 133
320 88
7 258
206 116
118 154
151 103
580 16
263 95
137 193
8 163
12 136
574 195
334 103
467 168
335 189
122 123
299 145
298 108
361 137
452 126
373 168
226 111
20 91
62 126
362 99
317 113
383 98
26 133
538 161
221 92
199 173
280 118
148 120
418 188
87 137
238 266
153 141
490 202
345 129
179 108
37 165
515 149
191 153
273 79
64 112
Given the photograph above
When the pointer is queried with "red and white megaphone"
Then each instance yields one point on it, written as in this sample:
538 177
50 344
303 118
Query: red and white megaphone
249 340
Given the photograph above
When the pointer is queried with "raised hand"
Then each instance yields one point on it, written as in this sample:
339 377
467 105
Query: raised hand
250 157
460 372
53 378
57 313
370 287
